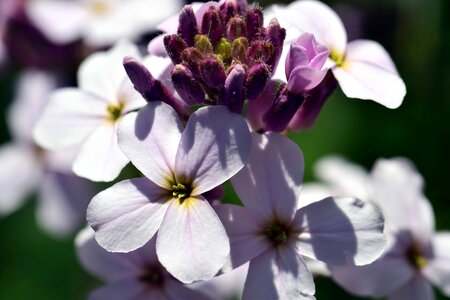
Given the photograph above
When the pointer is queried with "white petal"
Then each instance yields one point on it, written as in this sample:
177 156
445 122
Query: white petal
397 189
279 274
344 177
313 192
150 140
214 146
69 118
19 175
192 243
127 215
418 289
32 94
317 18
61 21
63 199
103 74
341 231
100 158
127 289
369 73
270 183
438 268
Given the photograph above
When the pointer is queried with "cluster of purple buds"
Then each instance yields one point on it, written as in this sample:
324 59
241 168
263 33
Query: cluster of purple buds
223 57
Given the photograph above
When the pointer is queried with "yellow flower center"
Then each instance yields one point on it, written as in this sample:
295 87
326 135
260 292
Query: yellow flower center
114 111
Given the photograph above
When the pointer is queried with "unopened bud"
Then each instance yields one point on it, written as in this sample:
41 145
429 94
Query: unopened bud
223 50
239 49
212 25
256 80
254 20
174 46
275 35
187 86
203 44
192 58
236 28
233 95
261 51
213 73
231 8
187 25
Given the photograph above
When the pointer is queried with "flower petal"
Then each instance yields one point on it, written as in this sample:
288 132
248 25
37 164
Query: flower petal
214 146
438 268
178 291
417 288
150 139
317 18
63 199
369 73
192 243
127 289
340 231
100 158
279 274
68 119
270 183
127 215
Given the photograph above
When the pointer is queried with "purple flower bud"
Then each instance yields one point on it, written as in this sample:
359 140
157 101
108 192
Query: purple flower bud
231 8
213 72
261 51
203 44
192 58
212 25
305 117
233 95
276 36
304 64
187 25
236 28
149 87
282 110
174 46
187 86
239 49
256 80
254 20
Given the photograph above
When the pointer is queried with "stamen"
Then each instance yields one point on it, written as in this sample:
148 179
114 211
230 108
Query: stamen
115 111
416 258
277 233
181 191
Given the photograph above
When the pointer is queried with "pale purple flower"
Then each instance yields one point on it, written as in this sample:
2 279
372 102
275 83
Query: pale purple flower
98 22
132 276
25 168
363 68
88 116
273 234
416 256
179 166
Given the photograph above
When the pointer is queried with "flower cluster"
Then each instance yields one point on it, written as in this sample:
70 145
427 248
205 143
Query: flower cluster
210 105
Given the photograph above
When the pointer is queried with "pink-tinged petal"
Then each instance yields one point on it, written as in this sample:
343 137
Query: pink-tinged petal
101 263
304 78
378 279
340 231
127 215
343 177
102 73
192 243
150 139
258 107
279 274
19 175
438 268
214 146
270 183
418 289
397 189
69 118
62 202
156 46
100 158
177 291
127 289
61 21
32 94
244 231
317 18
368 72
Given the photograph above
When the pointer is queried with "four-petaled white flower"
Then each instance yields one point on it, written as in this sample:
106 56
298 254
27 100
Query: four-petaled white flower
271 233
363 68
88 116
180 166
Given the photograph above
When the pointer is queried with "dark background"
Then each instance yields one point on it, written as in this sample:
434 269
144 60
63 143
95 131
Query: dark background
417 35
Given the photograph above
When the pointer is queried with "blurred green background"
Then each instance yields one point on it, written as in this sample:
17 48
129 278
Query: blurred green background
417 35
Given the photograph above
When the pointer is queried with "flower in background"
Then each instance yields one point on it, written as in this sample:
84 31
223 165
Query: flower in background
273 234
179 166
25 167
416 255
131 276
98 22
363 68
88 116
